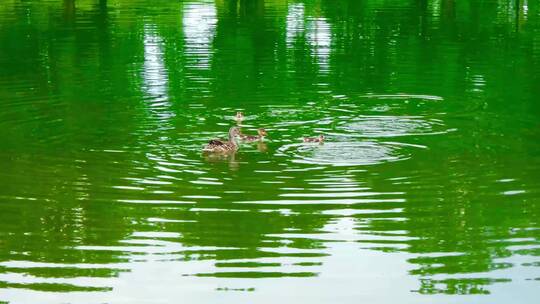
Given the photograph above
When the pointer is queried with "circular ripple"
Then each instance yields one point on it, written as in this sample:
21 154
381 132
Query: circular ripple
346 153
392 126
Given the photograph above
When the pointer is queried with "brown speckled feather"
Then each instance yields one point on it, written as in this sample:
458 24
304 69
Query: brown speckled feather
220 146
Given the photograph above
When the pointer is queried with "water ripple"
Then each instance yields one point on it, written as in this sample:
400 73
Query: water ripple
392 126
345 153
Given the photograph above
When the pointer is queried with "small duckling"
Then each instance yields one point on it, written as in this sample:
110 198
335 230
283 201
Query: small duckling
220 146
319 139
251 138
239 117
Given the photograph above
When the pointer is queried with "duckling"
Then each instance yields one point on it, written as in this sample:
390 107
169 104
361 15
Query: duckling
319 139
239 117
251 138
220 146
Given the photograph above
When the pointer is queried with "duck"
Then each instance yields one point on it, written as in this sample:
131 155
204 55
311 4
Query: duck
221 146
239 117
319 139
252 138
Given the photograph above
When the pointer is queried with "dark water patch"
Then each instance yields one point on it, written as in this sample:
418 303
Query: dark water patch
235 289
429 170
64 272
258 275
54 287
247 264
465 286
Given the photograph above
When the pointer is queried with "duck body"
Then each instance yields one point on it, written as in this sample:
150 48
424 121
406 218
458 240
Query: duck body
319 139
252 138
221 146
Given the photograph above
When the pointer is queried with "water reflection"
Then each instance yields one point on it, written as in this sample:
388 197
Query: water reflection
295 23
319 37
229 158
428 181
316 31
199 26
155 73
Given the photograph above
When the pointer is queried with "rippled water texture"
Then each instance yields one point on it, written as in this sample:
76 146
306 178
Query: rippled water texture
426 189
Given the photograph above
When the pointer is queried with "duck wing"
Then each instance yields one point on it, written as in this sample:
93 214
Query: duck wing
216 142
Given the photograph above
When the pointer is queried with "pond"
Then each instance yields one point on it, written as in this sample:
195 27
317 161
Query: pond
426 188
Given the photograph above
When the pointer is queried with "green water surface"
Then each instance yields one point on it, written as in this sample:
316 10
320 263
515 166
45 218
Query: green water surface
427 189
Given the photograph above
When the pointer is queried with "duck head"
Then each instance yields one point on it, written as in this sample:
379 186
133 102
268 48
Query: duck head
239 116
262 132
234 133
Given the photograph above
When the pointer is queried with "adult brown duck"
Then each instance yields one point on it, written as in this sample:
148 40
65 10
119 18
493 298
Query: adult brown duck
221 146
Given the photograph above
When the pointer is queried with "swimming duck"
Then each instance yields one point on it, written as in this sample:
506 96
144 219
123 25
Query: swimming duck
220 146
251 138
319 139
239 117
